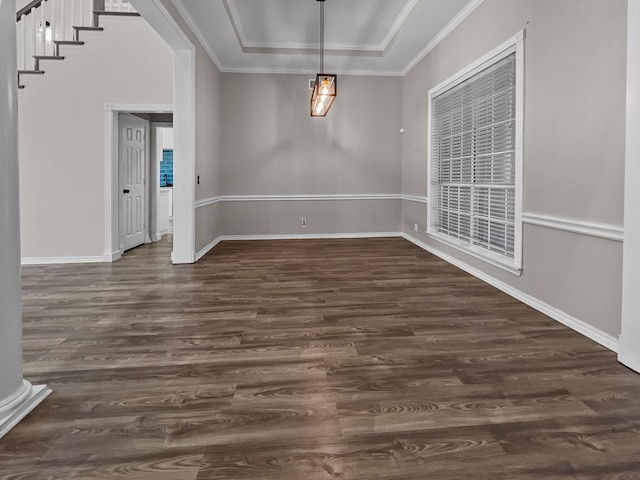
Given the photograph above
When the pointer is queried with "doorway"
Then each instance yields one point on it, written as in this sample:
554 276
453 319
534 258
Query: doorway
162 179
129 165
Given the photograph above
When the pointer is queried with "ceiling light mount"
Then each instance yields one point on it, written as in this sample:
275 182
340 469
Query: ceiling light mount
326 86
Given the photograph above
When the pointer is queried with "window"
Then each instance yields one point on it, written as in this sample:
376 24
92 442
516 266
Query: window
166 168
475 158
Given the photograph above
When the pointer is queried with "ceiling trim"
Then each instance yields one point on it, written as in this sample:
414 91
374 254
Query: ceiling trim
442 34
397 24
439 37
314 51
355 73
186 16
309 49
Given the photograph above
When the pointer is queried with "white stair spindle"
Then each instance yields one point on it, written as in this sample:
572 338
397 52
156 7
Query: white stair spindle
62 23
88 13
45 18
80 20
81 10
53 20
51 29
48 29
40 34
29 27
20 43
75 13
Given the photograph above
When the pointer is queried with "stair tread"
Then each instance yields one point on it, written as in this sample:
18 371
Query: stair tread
30 72
48 57
68 42
83 28
116 14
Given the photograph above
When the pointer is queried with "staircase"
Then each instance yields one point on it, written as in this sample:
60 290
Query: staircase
44 26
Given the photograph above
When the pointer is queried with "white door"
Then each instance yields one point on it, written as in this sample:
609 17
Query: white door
131 167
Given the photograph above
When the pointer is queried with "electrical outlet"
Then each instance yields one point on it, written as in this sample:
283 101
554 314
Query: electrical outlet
304 223
415 227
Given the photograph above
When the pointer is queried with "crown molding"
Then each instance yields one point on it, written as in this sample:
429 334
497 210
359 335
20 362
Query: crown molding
442 34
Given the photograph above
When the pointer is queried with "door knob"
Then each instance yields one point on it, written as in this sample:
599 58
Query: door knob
126 190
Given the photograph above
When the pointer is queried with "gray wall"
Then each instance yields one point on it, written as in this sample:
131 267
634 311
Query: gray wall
322 216
271 146
208 132
575 64
62 133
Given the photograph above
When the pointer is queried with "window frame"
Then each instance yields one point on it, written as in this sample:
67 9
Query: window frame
514 45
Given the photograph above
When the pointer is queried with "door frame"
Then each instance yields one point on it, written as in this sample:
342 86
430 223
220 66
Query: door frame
154 176
628 352
112 113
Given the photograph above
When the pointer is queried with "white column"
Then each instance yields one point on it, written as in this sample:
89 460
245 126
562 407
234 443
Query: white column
17 396
629 347
184 126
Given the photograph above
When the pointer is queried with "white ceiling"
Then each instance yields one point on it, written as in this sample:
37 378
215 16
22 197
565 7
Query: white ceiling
371 37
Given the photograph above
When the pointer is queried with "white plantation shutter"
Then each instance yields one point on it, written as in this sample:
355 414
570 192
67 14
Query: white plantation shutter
474 161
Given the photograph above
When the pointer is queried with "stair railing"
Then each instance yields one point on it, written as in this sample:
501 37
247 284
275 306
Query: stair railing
118 6
43 25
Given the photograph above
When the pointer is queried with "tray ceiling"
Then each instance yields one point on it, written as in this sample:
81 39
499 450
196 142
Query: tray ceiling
374 37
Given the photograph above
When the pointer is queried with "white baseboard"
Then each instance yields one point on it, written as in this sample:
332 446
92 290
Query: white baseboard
579 326
202 252
112 256
292 236
57 260
18 406
302 236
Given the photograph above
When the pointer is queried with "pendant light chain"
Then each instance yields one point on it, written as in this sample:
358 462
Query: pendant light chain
321 36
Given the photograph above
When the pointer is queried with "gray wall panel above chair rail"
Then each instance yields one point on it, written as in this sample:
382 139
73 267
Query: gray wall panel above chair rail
271 145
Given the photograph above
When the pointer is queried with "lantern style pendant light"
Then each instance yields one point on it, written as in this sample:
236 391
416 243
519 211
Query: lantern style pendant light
326 86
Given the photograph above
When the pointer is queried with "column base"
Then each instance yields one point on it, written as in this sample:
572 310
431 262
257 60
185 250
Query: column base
18 405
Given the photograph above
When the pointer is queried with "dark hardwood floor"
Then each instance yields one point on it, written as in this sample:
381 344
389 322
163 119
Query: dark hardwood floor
308 360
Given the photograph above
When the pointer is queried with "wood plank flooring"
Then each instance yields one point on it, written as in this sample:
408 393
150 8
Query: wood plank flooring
309 360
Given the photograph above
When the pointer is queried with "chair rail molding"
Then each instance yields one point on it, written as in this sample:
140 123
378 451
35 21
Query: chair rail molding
306 198
600 230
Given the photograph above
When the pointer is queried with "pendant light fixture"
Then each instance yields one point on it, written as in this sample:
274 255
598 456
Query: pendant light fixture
326 86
